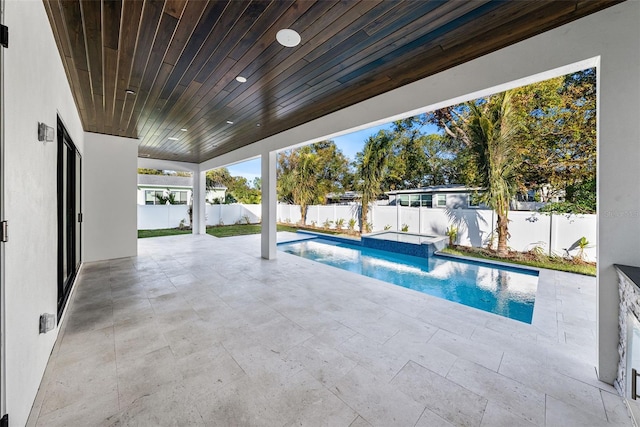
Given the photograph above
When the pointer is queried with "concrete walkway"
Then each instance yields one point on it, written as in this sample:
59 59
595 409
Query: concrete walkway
200 331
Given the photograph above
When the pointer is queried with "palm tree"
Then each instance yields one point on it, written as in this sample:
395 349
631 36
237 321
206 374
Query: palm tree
488 129
301 181
371 165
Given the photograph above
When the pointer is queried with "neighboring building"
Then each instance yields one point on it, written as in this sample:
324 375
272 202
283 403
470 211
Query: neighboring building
458 196
545 194
346 198
452 196
151 186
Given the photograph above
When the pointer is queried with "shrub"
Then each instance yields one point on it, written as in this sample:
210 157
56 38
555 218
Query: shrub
452 232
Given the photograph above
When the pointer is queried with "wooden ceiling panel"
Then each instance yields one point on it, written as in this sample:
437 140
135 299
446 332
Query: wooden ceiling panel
181 58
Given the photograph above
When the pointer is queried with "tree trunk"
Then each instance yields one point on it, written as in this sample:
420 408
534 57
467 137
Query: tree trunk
363 217
503 232
303 215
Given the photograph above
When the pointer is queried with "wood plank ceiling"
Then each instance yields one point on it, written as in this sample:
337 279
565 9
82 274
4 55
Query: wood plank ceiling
181 58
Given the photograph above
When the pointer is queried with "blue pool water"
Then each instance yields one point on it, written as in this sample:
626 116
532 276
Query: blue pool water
509 292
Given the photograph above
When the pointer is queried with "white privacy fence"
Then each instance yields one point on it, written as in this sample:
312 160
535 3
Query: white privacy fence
233 214
552 233
153 217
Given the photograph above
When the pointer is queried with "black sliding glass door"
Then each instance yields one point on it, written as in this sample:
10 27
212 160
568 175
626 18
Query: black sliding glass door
69 214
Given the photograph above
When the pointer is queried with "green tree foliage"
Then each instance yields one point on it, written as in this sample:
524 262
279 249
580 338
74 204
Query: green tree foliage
307 174
558 138
238 188
580 199
146 171
555 140
419 159
166 197
372 165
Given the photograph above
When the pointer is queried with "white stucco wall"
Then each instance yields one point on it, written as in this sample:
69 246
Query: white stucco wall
110 178
610 40
35 89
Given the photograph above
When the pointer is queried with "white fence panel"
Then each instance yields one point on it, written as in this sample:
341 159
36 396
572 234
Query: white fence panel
385 216
528 230
177 214
345 213
432 221
568 229
324 214
253 213
153 217
232 214
474 225
410 217
212 214
289 213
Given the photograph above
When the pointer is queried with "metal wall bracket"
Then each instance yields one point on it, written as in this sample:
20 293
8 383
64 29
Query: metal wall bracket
634 384
4 231
4 36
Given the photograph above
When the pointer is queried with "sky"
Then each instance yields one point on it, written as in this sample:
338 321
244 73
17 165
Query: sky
350 145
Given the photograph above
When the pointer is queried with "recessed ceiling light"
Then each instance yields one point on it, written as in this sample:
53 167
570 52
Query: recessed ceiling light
229 122
145 155
241 79
258 124
288 38
130 91
172 138
183 129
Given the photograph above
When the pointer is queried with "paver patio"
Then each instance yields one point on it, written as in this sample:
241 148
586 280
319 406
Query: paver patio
200 331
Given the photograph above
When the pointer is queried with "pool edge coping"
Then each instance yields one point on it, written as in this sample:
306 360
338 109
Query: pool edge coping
489 261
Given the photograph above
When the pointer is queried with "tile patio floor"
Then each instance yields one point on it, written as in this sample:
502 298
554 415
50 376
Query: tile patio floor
200 331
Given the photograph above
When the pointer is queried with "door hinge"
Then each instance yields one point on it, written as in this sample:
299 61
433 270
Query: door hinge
4 234
80 217
4 421
4 35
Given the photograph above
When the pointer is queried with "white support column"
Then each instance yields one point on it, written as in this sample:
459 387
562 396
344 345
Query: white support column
199 194
269 205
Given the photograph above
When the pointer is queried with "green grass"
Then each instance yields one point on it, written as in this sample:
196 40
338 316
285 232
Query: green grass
551 263
293 229
228 230
162 232
244 229
234 230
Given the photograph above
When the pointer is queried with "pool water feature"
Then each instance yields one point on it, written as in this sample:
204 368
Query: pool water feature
505 291
419 245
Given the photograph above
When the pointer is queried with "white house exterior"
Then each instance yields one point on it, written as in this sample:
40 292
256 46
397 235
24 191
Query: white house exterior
452 196
180 186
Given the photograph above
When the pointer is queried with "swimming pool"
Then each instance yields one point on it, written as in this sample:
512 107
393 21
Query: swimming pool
509 292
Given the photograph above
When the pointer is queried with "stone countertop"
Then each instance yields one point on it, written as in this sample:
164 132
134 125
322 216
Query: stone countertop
632 273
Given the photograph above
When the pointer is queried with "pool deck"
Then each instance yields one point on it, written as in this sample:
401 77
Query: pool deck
197 330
